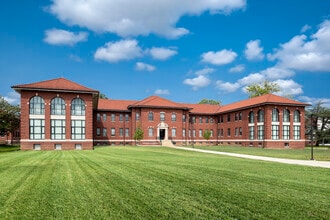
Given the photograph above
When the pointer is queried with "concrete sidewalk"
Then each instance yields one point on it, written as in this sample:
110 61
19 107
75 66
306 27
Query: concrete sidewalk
312 163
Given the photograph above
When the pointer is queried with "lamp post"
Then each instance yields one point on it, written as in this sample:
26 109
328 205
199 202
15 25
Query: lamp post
312 137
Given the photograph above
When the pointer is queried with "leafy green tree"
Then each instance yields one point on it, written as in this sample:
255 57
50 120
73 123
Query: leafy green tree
209 101
207 134
259 89
138 135
102 96
9 117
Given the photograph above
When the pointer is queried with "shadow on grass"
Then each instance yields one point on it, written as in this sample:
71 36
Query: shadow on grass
9 148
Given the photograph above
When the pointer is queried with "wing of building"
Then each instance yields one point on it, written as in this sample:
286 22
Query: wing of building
61 114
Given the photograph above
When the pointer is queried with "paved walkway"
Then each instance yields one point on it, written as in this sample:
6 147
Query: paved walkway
312 163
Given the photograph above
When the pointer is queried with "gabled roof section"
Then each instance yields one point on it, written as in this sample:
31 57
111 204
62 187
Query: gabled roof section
205 109
261 100
158 102
116 105
59 84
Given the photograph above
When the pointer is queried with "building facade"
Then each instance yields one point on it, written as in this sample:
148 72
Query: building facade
60 114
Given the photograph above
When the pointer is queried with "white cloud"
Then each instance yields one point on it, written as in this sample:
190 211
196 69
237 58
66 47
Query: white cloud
237 69
75 58
63 37
313 101
221 57
160 53
117 51
277 73
288 87
253 50
143 66
305 28
227 86
13 98
162 92
306 54
251 79
132 18
201 79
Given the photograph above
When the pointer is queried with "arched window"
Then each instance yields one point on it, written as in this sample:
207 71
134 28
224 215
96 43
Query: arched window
37 106
296 116
57 106
275 115
251 117
78 107
286 115
260 116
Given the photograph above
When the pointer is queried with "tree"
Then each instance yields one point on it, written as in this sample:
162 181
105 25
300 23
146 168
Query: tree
102 96
207 134
209 101
138 135
318 120
9 117
259 89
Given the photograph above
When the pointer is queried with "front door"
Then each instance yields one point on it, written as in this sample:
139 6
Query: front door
161 134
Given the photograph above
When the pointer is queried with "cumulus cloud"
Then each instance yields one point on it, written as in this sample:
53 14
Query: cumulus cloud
201 80
116 51
313 101
253 50
288 87
144 66
277 73
237 69
160 53
221 57
227 86
162 92
306 53
132 18
12 98
63 37
305 28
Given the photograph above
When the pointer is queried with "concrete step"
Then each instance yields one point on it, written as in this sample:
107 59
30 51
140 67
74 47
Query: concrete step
167 143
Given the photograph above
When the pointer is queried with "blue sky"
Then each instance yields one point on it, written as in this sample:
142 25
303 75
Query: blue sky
181 50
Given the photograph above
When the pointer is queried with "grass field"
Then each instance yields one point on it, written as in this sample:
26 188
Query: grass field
157 183
320 153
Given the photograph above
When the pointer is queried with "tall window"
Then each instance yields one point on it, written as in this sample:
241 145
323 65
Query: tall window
173 117
200 119
275 115
113 131
104 117
251 117
240 116
260 132
121 132
98 131
137 116
228 132
183 118
57 106
296 116
275 132
251 132
78 129
37 129
206 120
162 116
150 132
150 116
183 132
37 106
126 132
286 115
286 132
78 107
200 133
104 132
126 117
228 117
173 132
260 116
121 117
98 117
113 117
296 132
57 129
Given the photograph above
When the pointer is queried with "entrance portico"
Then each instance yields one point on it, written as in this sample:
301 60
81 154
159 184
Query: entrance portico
162 131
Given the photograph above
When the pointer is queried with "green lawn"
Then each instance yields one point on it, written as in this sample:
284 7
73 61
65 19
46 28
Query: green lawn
8 148
157 183
320 153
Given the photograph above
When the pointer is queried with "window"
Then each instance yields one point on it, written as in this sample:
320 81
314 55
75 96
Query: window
183 118
78 129
236 116
275 115
58 146
150 116
78 107
193 119
286 132
221 118
240 116
162 116
286 115
194 133
137 116
57 106
251 117
206 120
126 132
104 117
260 116
183 132
200 133
121 118
126 117
236 132
296 132
260 132
251 132
275 132
104 132
211 120
150 132
173 117
37 129
228 132
121 132
218 131
221 132
211 131
37 106
113 117
296 116
228 117
58 129
98 117
98 132
200 119
173 132
113 131
240 131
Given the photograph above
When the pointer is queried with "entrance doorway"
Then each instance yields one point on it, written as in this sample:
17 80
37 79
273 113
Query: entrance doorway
161 134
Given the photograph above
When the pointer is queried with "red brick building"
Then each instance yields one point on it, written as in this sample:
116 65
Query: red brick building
60 114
